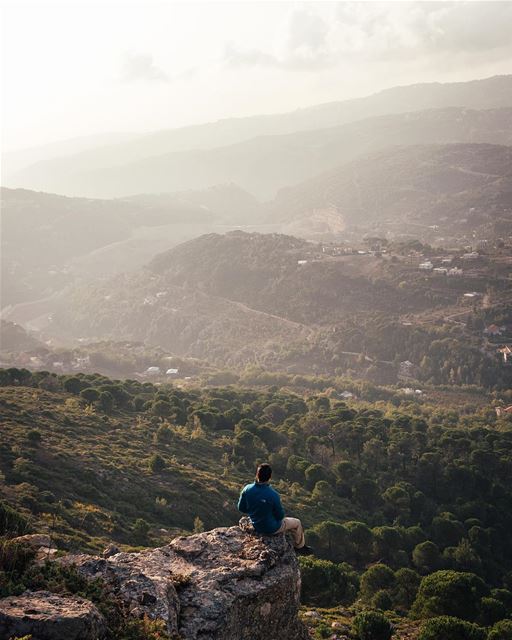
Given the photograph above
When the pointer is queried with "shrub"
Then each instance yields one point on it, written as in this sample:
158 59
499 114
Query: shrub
382 600
503 595
162 408
407 583
445 627
372 625
449 593
501 631
376 578
140 531
73 385
12 522
325 583
426 556
491 610
156 463
90 394
163 434
34 437
14 556
106 401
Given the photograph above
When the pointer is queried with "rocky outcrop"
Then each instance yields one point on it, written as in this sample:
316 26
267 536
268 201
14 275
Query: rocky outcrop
224 584
46 616
40 543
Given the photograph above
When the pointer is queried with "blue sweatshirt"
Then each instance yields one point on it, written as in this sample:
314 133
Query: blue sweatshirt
263 506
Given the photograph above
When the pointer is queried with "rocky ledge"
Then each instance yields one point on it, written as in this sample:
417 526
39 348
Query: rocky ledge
47 616
224 584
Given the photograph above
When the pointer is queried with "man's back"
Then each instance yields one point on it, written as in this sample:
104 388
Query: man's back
263 505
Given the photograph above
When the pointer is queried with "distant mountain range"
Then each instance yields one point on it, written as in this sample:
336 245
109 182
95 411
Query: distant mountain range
265 153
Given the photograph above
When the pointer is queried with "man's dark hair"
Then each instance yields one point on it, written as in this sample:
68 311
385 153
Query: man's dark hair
263 472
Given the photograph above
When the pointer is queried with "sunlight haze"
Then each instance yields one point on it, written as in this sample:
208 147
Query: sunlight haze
74 69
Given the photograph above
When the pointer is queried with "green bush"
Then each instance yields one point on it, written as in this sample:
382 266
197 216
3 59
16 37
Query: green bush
11 522
450 628
156 463
15 557
372 625
34 437
90 394
382 600
501 631
449 593
406 587
504 596
73 385
491 611
163 434
325 583
376 578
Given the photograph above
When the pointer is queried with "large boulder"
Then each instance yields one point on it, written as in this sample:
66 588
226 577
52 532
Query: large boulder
47 616
224 584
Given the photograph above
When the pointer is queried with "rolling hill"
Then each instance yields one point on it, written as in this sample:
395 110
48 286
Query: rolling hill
48 241
235 299
460 188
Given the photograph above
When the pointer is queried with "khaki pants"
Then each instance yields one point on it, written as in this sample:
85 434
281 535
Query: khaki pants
293 526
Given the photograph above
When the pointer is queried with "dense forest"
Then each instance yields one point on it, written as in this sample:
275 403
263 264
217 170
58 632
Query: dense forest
408 507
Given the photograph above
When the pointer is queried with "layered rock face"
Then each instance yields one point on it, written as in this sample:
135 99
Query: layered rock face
224 584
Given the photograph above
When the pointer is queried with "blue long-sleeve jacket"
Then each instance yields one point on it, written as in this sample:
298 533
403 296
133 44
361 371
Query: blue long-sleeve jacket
263 506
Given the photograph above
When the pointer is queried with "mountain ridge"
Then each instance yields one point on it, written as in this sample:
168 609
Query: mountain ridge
489 93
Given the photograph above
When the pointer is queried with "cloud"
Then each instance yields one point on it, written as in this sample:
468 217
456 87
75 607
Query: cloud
376 31
237 57
141 67
303 46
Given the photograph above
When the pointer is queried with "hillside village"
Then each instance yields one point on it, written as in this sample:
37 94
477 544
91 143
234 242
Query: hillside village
470 288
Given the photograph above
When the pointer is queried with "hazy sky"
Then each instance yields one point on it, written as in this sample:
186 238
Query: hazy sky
73 68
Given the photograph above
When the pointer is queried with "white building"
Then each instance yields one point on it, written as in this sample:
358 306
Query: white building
153 371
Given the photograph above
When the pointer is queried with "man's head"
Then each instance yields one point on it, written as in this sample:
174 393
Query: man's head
263 473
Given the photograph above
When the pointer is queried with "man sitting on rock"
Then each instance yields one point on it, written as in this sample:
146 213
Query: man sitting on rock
263 506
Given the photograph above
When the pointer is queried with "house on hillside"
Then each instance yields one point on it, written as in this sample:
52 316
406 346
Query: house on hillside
426 266
152 371
493 330
472 255
503 411
440 271
171 372
506 352
80 362
302 262
455 272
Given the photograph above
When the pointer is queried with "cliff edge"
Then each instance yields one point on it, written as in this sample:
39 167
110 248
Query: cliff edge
224 584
